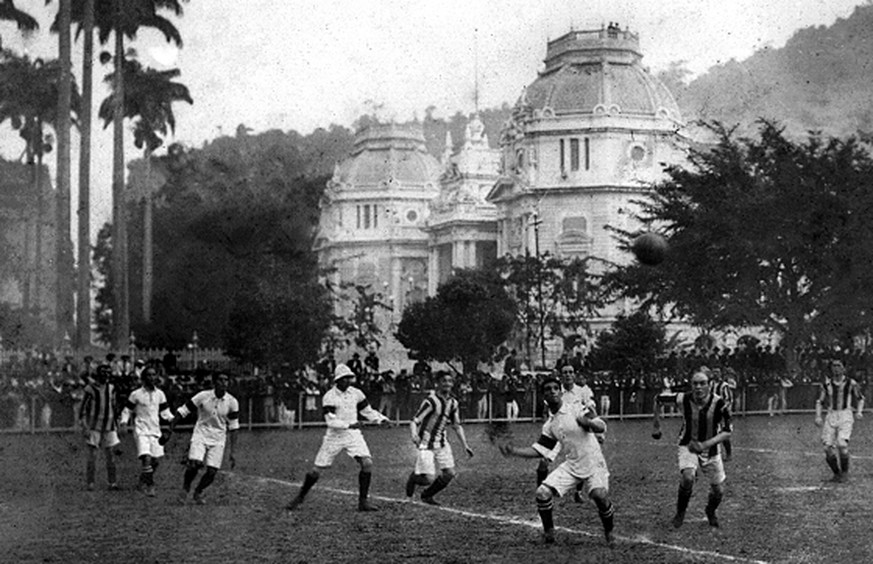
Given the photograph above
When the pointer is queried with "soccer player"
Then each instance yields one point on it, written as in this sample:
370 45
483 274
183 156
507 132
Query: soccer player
341 405
838 392
98 423
723 389
148 405
706 422
573 427
217 421
438 410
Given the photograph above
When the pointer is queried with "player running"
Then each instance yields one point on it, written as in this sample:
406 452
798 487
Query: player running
573 427
837 392
148 405
706 422
438 410
217 419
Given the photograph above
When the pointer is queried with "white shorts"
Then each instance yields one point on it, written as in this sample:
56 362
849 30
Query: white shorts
562 480
210 454
837 428
148 444
350 440
105 439
711 466
428 459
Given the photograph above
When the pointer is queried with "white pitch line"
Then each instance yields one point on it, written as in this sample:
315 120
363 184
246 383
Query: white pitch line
531 524
747 449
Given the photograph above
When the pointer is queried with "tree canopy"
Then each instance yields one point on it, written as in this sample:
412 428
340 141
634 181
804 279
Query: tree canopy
470 316
764 232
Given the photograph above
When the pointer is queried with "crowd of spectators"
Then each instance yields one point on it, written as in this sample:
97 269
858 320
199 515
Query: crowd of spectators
41 389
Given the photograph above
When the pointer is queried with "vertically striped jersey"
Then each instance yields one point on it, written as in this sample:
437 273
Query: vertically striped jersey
837 396
702 422
98 407
434 415
726 392
147 408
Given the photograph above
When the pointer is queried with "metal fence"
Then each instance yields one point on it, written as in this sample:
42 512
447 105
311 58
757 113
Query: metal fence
37 414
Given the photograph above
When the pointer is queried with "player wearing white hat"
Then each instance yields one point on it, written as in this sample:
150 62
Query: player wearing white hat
341 405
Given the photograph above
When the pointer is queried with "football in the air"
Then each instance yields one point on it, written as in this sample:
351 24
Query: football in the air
649 248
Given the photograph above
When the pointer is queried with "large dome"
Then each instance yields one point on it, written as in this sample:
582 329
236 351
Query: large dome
388 154
598 72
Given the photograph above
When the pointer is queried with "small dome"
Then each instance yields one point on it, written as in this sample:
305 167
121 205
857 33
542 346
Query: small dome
598 72
389 153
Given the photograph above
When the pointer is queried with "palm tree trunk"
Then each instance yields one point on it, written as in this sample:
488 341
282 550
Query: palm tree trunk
64 305
120 311
36 291
83 300
147 258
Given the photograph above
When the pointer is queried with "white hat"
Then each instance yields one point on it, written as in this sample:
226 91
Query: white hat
342 371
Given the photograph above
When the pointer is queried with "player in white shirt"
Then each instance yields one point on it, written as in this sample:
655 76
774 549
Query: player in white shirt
571 393
217 420
573 426
147 404
341 405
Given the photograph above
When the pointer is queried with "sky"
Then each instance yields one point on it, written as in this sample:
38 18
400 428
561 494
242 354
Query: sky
304 64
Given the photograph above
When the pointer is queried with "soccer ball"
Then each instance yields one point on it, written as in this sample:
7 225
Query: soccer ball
649 248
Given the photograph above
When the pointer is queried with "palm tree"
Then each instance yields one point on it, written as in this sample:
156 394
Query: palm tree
29 93
25 22
63 267
120 19
149 95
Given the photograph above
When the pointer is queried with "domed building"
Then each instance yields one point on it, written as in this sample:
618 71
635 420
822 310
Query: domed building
372 213
587 137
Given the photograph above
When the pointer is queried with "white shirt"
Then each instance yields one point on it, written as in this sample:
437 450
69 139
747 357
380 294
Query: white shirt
215 416
578 395
147 407
344 408
581 448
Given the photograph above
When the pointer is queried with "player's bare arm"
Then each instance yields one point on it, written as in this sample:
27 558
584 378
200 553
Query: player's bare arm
521 452
459 431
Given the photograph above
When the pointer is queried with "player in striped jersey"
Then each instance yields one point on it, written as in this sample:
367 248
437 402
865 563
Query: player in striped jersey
341 405
706 422
838 393
723 388
97 421
147 404
438 410
573 427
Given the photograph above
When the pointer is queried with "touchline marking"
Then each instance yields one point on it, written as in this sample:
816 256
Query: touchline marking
746 449
528 523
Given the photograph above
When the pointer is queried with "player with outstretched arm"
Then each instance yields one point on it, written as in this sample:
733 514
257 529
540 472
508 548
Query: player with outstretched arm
574 428
217 423
341 405
706 422
438 410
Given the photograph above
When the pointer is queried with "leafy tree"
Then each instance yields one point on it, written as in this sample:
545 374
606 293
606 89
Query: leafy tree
102 254
280 321
631 346
470 316
764 232
555 297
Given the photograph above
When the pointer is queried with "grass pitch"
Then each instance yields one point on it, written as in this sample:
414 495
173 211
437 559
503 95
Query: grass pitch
779 505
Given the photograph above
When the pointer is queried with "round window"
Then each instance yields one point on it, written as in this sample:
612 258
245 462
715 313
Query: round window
411 216
638 153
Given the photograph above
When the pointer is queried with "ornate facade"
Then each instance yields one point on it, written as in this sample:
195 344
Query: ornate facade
585 139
